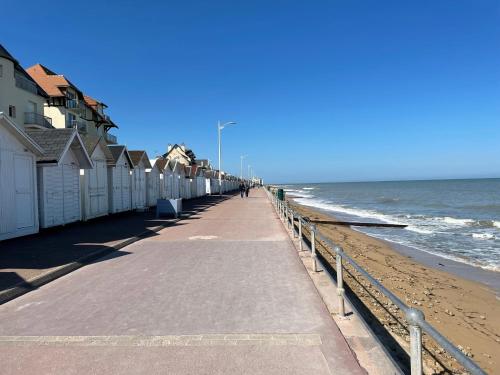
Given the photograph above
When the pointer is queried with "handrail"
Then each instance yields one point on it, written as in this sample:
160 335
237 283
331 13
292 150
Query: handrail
414 317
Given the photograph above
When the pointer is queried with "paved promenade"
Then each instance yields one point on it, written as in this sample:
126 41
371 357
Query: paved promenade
222 292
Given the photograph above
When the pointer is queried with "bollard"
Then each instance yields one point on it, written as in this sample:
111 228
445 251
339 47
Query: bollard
340 281
300 235
313 248
413 316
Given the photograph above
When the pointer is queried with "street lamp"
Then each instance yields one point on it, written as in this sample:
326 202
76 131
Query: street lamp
241 169
219 130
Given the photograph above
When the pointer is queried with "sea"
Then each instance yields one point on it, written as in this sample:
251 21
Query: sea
454 219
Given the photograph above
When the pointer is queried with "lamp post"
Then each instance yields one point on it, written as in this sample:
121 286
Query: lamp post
219 130
241 168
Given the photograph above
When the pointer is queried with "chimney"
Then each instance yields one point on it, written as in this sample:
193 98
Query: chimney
183 147
169 147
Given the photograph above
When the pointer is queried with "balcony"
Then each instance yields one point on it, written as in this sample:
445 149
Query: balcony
74 104
24 83
80 125
110 138
33 119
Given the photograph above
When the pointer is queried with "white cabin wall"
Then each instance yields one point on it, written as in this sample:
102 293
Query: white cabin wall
15 220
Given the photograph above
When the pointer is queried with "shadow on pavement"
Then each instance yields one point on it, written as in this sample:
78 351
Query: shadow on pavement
25 258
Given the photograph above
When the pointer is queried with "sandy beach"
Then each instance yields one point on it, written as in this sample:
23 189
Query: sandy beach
467 312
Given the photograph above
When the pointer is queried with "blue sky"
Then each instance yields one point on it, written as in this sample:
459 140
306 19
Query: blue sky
322 90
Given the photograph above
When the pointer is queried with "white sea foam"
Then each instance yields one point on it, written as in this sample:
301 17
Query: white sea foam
483 236
454 221
299 193
419 230
309 188
327 206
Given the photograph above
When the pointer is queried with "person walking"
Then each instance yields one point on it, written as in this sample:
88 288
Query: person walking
247 190
242 189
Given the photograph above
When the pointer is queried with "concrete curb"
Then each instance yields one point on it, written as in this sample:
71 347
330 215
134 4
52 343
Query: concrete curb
36 282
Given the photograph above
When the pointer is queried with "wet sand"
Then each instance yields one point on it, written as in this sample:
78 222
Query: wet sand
465 311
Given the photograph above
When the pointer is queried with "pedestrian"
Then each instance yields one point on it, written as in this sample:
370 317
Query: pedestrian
247 190
242 189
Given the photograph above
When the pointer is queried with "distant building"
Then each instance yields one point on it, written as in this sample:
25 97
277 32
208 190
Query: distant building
180 153
69 107
21 98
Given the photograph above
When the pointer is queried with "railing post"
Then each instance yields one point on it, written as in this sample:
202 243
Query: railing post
340 281
293 225
313 247
413 317
301 245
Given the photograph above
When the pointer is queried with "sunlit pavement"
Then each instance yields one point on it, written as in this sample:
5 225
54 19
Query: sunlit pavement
222 292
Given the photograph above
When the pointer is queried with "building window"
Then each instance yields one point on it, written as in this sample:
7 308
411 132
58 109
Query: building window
1 70
71 120
12 111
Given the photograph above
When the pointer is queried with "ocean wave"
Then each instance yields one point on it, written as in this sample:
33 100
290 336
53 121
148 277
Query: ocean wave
309 188
387 200
496 224
455 221
483 236
328 206
299 193
419 230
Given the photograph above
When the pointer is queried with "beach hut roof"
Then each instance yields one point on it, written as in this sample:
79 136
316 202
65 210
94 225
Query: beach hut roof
20 135
56 142
90 142
137 155
117 151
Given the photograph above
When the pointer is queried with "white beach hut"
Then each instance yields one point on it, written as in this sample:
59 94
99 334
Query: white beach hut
154 182
168 179
185 182
141 163
94 182
18 198
59 175
119 196
177 172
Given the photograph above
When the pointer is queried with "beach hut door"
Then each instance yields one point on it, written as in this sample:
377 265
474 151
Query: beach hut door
23 171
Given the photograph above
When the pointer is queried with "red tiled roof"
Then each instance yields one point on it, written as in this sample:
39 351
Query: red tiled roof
50 82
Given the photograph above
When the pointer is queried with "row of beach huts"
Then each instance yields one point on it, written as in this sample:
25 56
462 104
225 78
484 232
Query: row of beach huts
60 164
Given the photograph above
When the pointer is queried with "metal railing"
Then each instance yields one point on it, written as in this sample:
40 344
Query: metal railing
80 125
415 317
110 138
33 118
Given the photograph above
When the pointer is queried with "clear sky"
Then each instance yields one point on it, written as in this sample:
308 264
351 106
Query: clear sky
321 90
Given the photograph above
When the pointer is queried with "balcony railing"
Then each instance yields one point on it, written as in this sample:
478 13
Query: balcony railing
80 125
33 118
110 138
25 84
72 104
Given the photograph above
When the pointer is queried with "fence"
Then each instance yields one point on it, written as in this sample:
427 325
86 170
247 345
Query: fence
415 318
